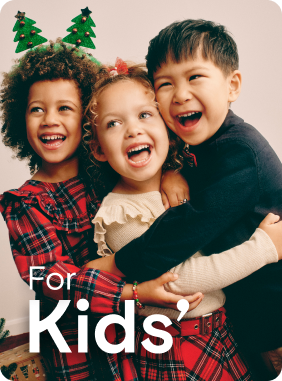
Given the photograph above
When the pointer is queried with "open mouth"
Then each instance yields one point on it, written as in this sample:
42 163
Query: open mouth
139 154
52 140
189 119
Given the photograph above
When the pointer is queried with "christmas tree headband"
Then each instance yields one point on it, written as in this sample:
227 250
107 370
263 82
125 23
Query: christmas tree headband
28 37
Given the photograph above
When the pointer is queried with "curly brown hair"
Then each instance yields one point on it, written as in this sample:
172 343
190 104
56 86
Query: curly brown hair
103 175
44 63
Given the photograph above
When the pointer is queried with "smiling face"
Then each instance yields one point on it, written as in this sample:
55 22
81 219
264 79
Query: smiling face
132 135
194 97
53 121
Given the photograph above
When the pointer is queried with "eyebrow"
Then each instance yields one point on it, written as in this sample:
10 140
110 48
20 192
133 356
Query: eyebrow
60 101
69 101
115 114
187 71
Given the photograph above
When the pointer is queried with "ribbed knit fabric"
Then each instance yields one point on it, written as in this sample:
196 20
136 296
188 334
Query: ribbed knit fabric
123 217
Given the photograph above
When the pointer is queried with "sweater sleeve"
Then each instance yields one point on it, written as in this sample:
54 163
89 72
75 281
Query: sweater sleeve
34 242
207 274
230 192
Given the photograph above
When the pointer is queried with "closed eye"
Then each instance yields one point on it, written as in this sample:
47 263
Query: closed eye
113 123
145 115
163 85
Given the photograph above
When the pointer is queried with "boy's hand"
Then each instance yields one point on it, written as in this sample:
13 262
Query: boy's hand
273 228
105 264
153 293
174 188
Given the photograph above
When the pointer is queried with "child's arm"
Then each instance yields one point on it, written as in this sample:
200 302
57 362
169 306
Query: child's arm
230 191
217 271
153 293
174 189
34 242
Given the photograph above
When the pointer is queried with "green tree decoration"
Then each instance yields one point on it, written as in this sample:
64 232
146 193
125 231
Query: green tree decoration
3 334
8 371
27 34
81 31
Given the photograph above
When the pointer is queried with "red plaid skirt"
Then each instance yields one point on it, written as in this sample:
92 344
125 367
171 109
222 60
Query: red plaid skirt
210 357
75 366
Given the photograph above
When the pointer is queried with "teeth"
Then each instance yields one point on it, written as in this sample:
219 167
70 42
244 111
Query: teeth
188 114
52 137
138 149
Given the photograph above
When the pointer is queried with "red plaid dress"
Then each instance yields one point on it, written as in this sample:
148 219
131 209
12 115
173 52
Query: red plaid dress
210 357
49 226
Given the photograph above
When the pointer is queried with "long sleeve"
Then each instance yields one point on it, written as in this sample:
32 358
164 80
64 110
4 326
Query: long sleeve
214 272
35 242
229 191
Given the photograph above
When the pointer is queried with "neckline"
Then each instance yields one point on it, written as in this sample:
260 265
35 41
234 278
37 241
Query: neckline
230 120
132 194
78 177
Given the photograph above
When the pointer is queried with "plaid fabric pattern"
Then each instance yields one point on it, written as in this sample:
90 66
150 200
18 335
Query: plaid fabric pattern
122 364
211 357
49 226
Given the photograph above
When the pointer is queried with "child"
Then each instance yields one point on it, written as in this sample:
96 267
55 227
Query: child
131 138
43 100
234 175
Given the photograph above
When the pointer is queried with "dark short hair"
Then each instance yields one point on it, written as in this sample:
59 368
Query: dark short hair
182 40
43 63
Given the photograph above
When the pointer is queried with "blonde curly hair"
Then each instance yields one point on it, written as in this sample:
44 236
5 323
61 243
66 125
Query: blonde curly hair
103 175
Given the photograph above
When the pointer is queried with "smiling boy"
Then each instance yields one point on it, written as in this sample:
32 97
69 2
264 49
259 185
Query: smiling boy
235 178
194 97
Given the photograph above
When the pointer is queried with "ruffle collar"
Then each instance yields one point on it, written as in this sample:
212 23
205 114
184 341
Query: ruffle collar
118 208
65 203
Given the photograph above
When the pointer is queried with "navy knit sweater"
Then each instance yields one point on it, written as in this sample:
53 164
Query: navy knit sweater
237 181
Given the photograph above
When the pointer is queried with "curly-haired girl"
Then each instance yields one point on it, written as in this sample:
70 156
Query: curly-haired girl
43 101
131 141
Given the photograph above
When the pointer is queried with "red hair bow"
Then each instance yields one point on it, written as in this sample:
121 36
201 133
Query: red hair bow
120 67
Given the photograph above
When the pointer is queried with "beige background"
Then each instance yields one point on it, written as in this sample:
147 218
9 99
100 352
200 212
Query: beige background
124 28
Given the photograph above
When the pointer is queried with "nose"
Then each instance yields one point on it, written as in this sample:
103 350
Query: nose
50 118
134 129
182 94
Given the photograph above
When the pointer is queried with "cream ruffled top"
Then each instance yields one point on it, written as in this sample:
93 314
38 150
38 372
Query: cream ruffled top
124 217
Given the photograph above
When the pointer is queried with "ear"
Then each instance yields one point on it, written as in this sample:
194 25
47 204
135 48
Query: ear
235 83
99 154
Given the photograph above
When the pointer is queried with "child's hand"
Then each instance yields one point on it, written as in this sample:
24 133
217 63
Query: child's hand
273 228
174 188
152 292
